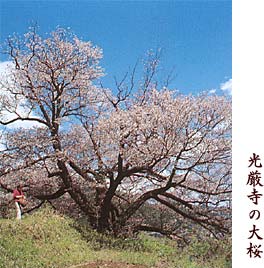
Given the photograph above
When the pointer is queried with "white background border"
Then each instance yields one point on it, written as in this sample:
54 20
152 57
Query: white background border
248 121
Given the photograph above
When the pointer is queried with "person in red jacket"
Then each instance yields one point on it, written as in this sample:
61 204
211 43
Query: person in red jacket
19 197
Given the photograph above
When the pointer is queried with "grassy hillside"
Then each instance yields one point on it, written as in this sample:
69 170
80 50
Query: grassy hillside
46 239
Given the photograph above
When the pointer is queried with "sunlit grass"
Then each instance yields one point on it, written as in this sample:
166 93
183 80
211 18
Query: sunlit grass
46 239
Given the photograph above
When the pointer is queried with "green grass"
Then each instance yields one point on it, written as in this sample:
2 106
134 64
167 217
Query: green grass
46 239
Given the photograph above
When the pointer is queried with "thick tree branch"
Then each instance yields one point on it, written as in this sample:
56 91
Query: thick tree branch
38 120
195 219
52 196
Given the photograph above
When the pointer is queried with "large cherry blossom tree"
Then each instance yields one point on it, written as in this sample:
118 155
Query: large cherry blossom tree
112 155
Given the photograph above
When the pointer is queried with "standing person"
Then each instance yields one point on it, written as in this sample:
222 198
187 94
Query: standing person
19 197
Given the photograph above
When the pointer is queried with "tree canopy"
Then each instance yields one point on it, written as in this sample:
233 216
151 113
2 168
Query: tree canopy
116 155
